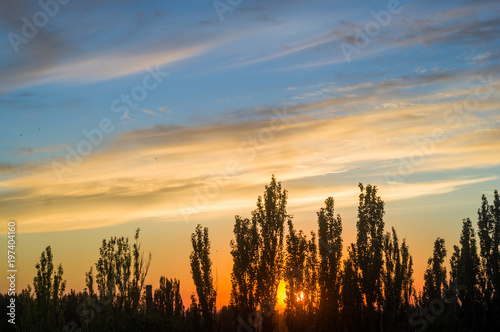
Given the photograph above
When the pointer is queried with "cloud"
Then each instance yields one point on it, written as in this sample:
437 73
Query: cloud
80 45
124 182
413 190
99 67
149 112
480 57
461 26
165 110
47 47
291 48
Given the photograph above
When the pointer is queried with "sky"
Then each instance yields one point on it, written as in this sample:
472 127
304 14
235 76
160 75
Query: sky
162 115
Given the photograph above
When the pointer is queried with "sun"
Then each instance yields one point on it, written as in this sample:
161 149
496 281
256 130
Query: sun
281 294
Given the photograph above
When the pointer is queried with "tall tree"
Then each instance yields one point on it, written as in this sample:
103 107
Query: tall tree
351 295
465 269
245 251
489 241
435 274
270 215
301 280
296 252
120 274
330 251
369 249
201 270
398 281
311 282
139 272
392 278
44 312
408 292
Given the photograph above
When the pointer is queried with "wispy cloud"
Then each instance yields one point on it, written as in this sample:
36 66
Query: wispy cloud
98 67
461 26
149 112
124 182
165 110
291 48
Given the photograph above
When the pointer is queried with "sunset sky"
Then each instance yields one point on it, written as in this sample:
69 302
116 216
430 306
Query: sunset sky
164 114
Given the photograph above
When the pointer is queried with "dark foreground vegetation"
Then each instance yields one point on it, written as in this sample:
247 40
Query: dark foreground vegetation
371 289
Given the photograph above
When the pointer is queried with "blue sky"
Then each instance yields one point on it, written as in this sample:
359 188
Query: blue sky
403 95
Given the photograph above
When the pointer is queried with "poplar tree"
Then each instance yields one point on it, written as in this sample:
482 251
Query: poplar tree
351 295
311 283
44 311
435 274
465 269
245 251
295 277
489 241
330 251
369 249
270 216
121 270
201 270
398 280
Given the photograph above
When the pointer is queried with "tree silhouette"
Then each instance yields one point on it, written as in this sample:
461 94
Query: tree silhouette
168 301
369 248
465 269
330 251
297 294
489 241
201 270
408 292
140 271
372 290
311 283
435 274
120 274
351 295
193 316
245 251
270 215
44 312
398 281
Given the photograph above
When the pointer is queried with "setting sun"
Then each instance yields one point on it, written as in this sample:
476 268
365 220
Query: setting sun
281 294
300 296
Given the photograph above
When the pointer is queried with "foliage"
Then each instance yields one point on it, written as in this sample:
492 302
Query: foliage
370 289
43 309
201 270
330 252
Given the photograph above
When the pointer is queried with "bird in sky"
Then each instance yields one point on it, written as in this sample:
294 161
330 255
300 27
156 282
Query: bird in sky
156 159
